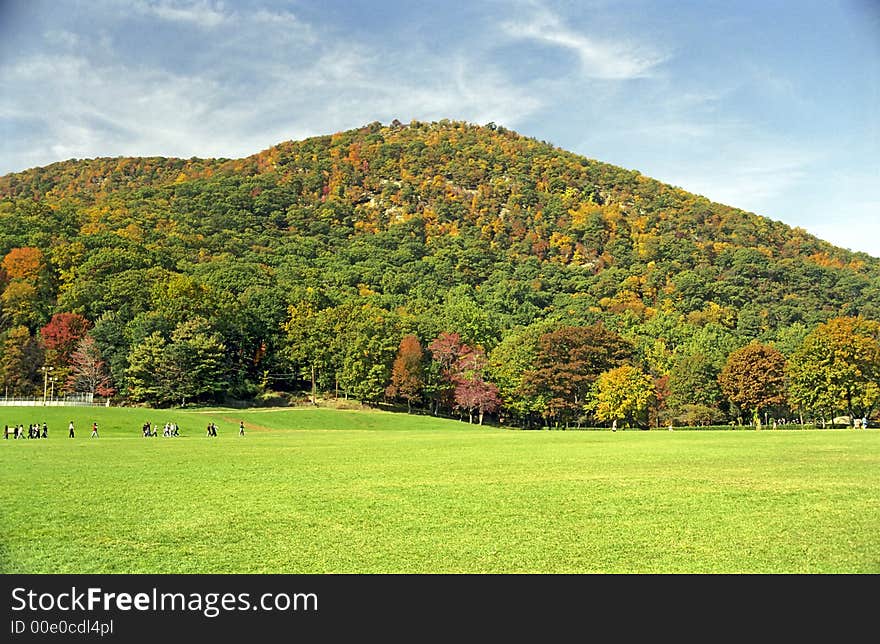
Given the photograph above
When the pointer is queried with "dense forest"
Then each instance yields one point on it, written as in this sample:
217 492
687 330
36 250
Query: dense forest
445 267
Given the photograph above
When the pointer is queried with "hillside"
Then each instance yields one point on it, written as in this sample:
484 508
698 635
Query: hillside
419 228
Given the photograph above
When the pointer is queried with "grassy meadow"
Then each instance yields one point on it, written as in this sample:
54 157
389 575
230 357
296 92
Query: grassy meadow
327 491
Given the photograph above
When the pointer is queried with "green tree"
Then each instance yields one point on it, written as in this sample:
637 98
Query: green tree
145 377
187 367
114 345
313 342
837 368
370 339
472 322
195 362
20 304
509 362
693 380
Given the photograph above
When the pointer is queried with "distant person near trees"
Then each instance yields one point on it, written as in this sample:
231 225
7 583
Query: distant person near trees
241 428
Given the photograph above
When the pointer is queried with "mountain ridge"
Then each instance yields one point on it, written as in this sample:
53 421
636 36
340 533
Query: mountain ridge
99 175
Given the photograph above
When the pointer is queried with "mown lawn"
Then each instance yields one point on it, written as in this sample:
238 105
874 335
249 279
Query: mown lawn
321 491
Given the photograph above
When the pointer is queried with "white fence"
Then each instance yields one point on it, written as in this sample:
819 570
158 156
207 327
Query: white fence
72 400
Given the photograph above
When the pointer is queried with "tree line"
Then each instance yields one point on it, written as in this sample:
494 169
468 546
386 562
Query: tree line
540 375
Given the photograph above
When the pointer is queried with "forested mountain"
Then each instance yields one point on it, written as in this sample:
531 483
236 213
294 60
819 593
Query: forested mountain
215 278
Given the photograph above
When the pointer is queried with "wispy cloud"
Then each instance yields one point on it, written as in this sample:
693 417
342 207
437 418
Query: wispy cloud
85 110
600 58
201 13
86 101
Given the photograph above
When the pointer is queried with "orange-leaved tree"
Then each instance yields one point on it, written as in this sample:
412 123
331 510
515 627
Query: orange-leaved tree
408 372
753 378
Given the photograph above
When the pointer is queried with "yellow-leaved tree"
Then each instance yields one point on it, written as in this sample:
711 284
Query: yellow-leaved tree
625 393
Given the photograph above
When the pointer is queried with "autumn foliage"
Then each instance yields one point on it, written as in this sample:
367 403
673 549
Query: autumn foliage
62 335
23 264
754 378
567 363
838 368
407 373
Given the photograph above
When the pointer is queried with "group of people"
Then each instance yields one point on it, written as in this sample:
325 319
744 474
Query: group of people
34 430
168 431
212 429
71 433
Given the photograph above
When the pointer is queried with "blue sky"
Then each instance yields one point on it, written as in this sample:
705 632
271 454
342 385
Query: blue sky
771 106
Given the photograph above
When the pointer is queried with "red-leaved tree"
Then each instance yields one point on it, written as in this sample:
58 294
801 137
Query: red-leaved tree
62 335
476 396
462 384
445 350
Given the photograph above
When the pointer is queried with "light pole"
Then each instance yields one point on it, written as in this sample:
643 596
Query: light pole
52 391
46 371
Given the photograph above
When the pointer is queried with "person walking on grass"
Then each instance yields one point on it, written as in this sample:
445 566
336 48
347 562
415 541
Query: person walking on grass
45 430
241 428
94 430
70 430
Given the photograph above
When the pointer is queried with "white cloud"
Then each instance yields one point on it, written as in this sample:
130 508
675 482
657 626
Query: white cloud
98 102
600 58
275 17
201 13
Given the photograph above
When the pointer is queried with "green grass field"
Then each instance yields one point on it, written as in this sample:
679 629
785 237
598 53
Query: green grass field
322 491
